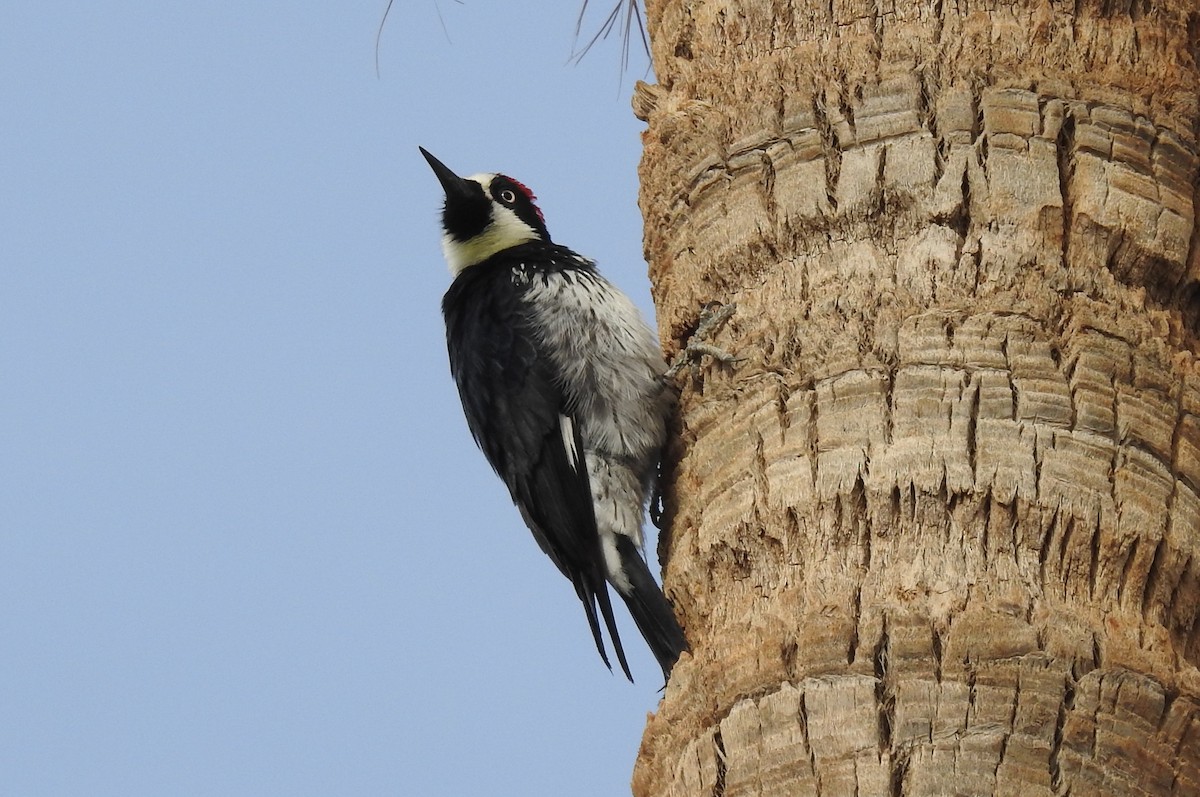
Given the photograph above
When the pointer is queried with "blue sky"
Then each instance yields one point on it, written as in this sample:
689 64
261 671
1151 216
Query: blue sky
247 546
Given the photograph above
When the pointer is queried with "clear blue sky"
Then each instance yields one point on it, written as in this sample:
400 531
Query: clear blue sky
247 546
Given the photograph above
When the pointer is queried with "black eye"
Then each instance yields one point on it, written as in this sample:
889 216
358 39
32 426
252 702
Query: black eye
508 196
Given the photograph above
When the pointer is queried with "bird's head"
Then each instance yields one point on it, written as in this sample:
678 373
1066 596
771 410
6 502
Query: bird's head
484 214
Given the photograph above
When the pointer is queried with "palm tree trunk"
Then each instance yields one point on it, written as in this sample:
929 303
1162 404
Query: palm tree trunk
939 532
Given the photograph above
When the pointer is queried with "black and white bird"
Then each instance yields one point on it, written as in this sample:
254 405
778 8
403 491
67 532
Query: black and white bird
562 383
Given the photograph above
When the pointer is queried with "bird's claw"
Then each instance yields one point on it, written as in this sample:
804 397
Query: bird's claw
711 319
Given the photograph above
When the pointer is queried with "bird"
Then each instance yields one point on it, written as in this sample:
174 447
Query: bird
564 390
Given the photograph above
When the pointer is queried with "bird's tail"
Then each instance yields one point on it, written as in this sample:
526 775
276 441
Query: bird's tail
651 612
593 595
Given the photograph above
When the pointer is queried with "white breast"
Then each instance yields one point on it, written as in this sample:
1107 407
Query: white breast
609 360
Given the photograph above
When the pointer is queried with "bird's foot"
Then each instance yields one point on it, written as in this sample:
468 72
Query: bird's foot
712 318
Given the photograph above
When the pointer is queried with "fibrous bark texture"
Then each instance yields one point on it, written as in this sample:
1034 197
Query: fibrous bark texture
939 531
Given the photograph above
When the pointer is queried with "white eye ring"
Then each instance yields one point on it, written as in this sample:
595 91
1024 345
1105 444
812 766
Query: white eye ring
507 196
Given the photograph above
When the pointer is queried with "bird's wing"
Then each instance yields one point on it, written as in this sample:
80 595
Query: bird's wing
519 417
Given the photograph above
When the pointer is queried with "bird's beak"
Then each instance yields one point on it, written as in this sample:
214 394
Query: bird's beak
454 186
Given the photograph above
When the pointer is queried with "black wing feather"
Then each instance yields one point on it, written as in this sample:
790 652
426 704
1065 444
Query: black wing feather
513 405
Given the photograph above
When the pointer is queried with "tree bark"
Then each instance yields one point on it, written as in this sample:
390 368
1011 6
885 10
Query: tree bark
939 531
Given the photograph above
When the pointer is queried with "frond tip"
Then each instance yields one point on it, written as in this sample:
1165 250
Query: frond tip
627 15
387 10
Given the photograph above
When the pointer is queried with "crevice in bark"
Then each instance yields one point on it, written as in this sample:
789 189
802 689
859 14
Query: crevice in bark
1126 567
761 482
770 205
881 191
1114 405
896 779
1169 698
1014 526
1009 727
1012 383
832 152
1174 599
782 395
969 717
856 617
889 418
985 513
877 19
981 146
936 646
1189 295
810 434
1064 525
863 519
1192 649
1064 145
1153 577
960 219
1094 541
1048 531
927 120
1118 258
719 745
1064 709
1177 436
885 703
812 756
895 503
788 656
972 423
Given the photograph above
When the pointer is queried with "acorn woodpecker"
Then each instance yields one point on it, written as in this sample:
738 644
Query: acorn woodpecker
563 387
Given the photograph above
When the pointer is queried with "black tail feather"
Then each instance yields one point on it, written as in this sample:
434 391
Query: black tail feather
591 596
589 608
606 609
651 612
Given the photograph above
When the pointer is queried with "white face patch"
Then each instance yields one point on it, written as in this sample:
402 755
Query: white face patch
504 230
